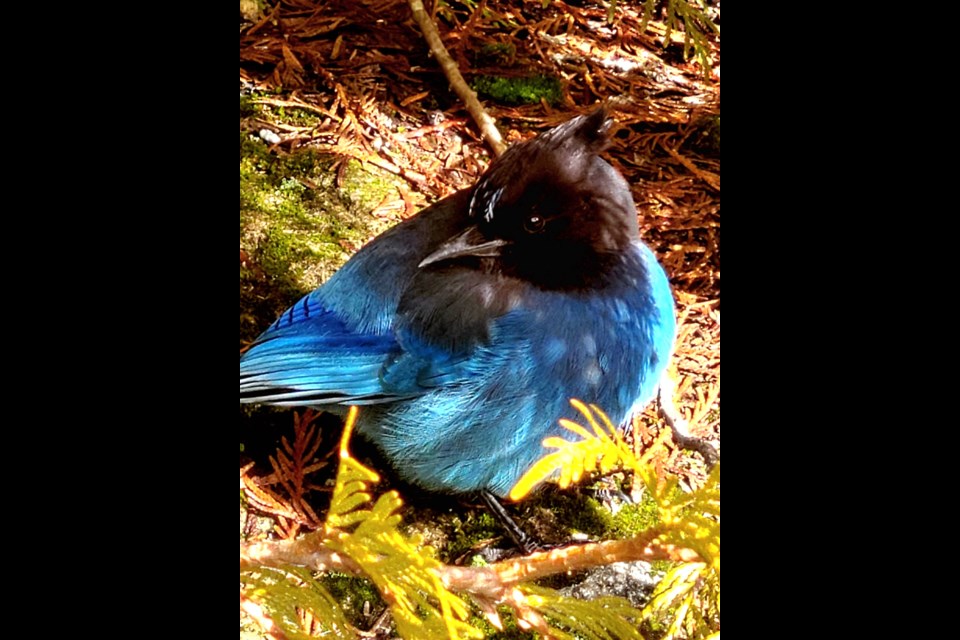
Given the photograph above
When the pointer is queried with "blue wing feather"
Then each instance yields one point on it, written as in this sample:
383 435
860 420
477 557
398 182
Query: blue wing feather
314 358
333 344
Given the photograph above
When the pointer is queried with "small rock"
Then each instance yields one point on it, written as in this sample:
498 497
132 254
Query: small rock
269 136
631 580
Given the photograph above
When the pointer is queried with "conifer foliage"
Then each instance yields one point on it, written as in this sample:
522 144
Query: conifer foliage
427 599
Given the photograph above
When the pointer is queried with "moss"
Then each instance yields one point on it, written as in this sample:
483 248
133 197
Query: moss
582 514
525 90
365 189
297 226
359 598
248 108
553 515
294 116
634 519
469 533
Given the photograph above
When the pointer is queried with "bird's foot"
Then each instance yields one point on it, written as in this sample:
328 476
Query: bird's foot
520 538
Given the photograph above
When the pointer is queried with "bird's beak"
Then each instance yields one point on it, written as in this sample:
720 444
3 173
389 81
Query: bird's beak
469 243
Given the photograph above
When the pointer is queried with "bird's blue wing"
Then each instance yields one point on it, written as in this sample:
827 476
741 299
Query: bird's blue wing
333 345
310 356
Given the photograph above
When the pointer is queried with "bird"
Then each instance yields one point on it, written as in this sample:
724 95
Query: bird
463 332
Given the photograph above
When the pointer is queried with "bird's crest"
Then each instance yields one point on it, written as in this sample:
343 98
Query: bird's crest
561 151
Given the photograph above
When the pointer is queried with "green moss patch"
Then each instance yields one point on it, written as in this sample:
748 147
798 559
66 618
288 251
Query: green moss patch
525 90
297 226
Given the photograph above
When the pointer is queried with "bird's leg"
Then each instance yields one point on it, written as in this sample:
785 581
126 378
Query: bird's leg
681 430
524 542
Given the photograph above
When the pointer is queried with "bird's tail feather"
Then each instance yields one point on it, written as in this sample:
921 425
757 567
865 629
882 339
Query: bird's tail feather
302 370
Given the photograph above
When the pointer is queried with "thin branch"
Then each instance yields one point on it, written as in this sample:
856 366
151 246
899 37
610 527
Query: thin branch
307 551
680 427
487 126
493 582
712 179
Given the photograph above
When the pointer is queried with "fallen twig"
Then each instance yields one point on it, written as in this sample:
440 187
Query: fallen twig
487 126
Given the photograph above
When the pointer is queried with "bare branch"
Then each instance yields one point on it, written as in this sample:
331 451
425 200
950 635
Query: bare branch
494 581
487 126
307 551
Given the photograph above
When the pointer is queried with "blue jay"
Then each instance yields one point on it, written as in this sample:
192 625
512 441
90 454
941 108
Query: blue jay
464 331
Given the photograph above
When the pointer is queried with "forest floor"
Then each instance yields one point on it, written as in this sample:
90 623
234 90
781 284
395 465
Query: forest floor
348 126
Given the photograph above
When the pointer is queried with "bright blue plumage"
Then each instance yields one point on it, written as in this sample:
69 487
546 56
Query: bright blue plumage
465 331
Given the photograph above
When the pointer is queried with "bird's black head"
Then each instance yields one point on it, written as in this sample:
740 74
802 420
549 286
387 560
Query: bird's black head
551 211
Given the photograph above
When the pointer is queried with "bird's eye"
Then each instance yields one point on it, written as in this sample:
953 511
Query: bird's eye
534 224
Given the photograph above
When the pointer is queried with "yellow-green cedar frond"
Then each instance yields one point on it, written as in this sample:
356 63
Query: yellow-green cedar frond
353 481
283 593
696 23
692 520
688 596
601 450
607 618
406 576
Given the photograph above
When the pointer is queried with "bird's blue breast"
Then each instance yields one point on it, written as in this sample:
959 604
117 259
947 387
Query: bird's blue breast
482 424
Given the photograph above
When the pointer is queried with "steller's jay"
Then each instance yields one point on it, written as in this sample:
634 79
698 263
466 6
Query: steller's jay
464 331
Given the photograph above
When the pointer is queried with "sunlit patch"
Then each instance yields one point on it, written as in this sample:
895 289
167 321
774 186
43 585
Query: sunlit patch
589 345
592 374
555 348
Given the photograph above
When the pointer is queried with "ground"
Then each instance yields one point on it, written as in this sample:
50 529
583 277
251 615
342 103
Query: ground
347 126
